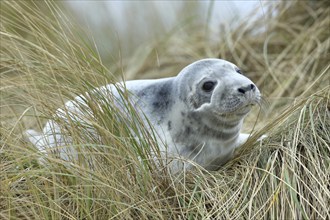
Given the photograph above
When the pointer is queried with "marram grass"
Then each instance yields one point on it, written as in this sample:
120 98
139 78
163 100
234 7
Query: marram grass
46 60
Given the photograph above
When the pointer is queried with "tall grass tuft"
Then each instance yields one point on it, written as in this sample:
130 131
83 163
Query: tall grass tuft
46 60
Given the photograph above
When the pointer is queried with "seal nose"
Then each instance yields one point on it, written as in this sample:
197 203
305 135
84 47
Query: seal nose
247 88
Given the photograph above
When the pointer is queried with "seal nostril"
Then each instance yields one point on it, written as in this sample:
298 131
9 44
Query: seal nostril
246 88
241 90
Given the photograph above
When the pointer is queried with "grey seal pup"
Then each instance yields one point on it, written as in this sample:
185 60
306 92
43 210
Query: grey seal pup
198 114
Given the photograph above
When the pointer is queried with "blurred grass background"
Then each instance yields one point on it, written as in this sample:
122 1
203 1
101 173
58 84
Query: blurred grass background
48 56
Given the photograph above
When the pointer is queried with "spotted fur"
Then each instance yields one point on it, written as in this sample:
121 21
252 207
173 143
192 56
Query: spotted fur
194 124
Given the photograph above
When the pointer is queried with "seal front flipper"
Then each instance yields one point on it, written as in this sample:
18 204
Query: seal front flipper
242 138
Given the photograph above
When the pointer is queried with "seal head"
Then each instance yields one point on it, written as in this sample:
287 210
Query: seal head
214 85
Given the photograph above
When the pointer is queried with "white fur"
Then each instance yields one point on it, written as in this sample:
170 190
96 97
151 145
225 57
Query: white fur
183 123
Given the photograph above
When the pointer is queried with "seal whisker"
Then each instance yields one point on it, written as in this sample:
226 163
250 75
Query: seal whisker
264 104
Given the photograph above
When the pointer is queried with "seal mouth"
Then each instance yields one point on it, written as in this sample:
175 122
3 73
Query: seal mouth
246 107
239 111
243 110
237 108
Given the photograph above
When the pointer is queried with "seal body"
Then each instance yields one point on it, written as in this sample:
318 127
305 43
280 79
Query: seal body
198 114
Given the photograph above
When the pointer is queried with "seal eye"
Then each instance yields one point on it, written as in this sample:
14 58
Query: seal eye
208 86
239 71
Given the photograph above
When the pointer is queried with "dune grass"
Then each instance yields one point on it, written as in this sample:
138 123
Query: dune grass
46 60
